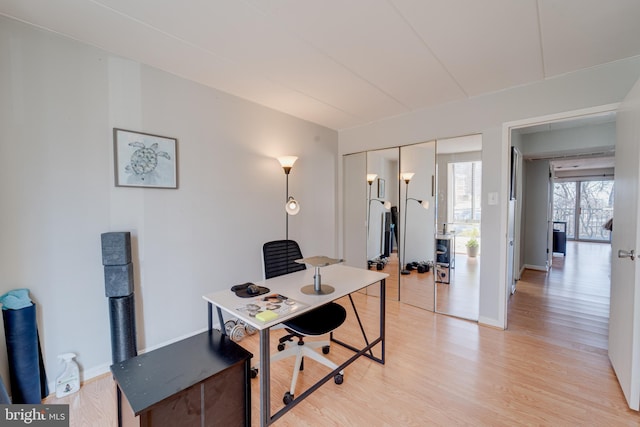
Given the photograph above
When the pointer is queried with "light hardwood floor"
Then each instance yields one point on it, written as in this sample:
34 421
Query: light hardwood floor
459 297
549 368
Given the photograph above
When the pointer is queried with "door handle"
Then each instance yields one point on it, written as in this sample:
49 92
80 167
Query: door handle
626 254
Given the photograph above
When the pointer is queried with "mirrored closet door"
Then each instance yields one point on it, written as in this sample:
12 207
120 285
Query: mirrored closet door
417 191
458 240
382 217
414 212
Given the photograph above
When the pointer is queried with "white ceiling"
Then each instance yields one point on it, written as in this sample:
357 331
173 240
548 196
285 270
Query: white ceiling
344 63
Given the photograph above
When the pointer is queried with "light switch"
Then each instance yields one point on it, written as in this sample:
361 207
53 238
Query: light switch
493 198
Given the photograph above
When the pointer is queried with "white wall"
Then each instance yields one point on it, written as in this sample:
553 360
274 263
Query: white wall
536 207
59 101
569 141
355 214
486 114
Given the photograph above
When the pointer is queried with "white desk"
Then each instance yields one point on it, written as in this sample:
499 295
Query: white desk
344 279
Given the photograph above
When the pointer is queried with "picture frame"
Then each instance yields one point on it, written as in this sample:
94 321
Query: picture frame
381 188
145 160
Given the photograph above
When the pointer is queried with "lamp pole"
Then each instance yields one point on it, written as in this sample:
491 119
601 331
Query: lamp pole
407 178
370 179
286 214
403 269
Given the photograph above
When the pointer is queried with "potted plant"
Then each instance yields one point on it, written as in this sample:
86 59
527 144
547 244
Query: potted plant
472 244
472 247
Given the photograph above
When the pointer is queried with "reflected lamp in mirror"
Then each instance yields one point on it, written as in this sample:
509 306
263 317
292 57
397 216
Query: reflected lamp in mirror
386 203
406 176
371 177
424 203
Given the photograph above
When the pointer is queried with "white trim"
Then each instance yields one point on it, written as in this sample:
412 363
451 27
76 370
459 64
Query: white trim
488 321
522 268
507 127
535 267
561 116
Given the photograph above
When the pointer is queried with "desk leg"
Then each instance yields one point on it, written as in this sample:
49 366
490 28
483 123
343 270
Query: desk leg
369 345
210 312
383 299
265 377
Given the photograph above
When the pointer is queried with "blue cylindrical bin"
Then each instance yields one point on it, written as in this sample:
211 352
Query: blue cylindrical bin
26 367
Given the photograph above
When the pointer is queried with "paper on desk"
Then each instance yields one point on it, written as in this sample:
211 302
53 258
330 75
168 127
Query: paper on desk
279 304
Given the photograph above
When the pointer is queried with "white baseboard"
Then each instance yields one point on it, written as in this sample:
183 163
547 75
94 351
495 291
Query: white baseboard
521 272
96 371
487 321
535 267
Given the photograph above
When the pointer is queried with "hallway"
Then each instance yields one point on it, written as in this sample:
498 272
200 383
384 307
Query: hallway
569 305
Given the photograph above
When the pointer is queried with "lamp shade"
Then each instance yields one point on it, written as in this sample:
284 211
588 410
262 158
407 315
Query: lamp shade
385 203
292 206
423 203
287 162
406 176
371 177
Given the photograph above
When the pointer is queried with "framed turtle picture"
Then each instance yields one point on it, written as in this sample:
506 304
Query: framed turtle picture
145 160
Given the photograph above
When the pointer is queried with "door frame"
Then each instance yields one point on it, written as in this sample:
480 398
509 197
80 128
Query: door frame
507 128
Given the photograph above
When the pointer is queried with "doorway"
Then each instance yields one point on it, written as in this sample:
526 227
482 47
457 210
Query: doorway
579 137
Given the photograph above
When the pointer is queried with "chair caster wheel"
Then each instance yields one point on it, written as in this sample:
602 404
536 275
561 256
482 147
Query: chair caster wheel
325 349
254 372
338 379
280 347
288 398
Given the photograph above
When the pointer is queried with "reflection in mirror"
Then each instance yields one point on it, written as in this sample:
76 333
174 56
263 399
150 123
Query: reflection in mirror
459 190
382 217
417 191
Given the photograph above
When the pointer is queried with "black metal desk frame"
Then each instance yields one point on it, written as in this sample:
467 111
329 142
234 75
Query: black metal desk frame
265 398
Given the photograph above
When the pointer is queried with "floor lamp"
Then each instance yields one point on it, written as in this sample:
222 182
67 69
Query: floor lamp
292 207
406 177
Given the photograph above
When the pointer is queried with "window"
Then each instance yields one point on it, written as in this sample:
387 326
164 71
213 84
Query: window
464 201
464 192
585 206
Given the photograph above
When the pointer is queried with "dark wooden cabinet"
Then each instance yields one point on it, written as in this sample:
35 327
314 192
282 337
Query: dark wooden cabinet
560 237
203 380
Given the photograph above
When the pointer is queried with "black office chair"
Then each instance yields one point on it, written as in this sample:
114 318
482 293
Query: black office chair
279 258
